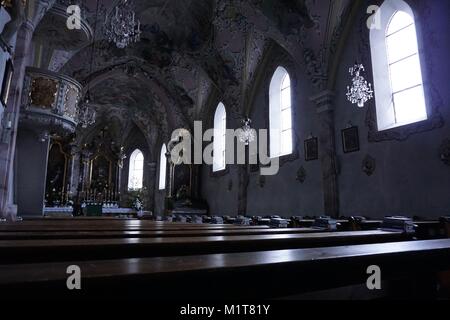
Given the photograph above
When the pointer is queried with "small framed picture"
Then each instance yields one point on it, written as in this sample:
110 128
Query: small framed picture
7 78
312 149
350 139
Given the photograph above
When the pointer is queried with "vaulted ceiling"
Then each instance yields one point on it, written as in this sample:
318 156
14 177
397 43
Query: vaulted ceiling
192 49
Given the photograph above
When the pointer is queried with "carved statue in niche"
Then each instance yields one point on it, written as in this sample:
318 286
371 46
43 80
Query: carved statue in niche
122 156
369 165
444 152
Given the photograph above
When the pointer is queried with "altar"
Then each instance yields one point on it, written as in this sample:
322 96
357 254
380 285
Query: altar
105 211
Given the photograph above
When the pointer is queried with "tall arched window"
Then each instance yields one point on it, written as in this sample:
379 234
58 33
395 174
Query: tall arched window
280 114
162 168
220 131
399 92
136 172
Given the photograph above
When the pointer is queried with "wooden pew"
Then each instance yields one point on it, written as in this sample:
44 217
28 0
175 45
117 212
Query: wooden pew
115 226
99 234
27 251
445 224
424 229
254 275
63 218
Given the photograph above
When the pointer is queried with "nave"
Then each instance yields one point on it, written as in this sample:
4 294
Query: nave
224 150
141 259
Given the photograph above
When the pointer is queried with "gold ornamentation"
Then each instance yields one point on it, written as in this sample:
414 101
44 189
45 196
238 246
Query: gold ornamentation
43 92
8 3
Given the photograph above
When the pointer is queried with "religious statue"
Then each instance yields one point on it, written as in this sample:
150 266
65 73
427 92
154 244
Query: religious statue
121 157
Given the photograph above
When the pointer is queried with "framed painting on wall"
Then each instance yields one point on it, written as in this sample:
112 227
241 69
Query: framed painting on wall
350 140
312 149
7 79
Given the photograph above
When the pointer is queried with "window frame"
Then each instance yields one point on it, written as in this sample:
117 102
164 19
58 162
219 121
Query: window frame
276 109
219 145
385 109
162 184
132 170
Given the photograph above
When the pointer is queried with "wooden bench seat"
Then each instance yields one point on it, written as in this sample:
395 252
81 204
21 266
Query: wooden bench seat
27 251
255 275
95 234
19 227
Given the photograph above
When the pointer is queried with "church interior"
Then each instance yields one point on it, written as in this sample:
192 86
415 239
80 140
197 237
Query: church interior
225 149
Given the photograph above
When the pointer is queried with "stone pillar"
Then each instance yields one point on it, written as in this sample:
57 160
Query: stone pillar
22 57
32 159
150 184
118 182
196 181
327 149
244 181
86 157
168 205
74 168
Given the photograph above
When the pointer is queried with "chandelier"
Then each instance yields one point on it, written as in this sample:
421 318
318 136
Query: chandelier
122 27
247 135
86 114
360 92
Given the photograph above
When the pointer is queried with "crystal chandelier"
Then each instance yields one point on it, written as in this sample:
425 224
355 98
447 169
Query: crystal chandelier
122 27
247 135
86 114
360 92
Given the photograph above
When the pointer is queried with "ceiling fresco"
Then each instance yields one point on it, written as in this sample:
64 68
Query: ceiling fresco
190 50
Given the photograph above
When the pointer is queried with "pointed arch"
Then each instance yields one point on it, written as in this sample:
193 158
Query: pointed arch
280 114
136 170
220 130
399 90
162 168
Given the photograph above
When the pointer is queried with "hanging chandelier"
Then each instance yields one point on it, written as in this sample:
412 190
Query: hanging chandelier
86 114
247 135
121 26
361 91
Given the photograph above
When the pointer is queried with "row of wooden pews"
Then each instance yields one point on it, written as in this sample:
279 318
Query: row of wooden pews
127 258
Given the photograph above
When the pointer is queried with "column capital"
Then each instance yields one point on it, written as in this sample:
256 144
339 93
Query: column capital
324 101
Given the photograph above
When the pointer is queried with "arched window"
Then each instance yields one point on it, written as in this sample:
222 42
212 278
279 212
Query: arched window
162 168
399 92
280 114
220 131
136 172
